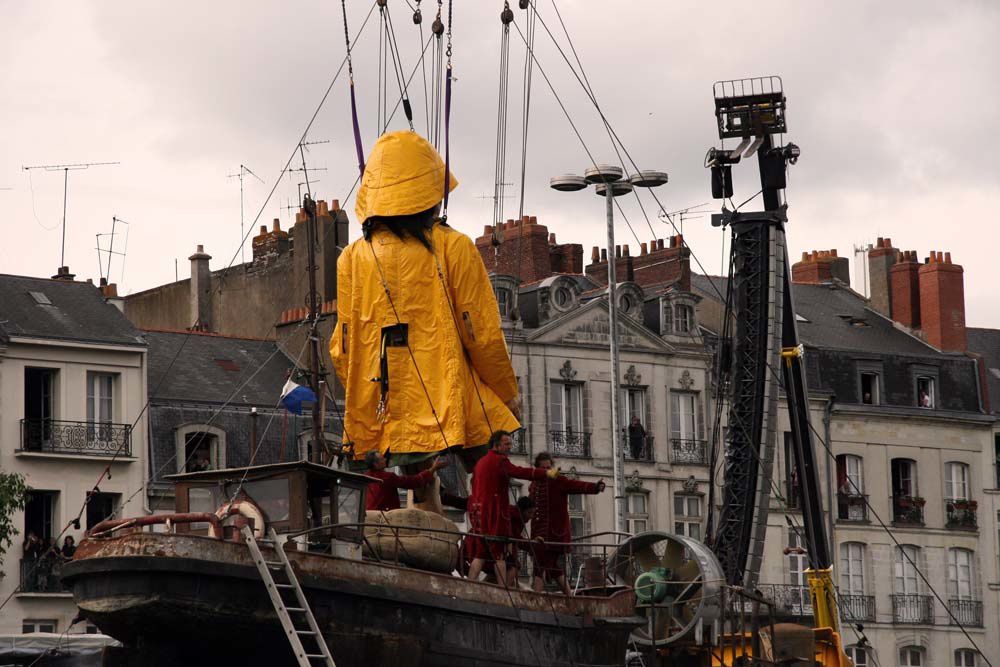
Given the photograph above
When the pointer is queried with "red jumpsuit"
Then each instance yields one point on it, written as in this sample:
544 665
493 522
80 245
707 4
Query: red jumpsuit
551 521
489 504
384 496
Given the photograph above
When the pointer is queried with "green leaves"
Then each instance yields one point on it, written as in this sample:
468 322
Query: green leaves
13 494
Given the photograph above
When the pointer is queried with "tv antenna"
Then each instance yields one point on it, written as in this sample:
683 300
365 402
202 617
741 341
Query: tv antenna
111 248
244 170
66 168
688 213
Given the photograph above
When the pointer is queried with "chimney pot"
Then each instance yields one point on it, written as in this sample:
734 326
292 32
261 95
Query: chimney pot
805 256
888 243
625 250
487 230
595 255
659 244
552 238
334 204
947 258
618 251
642 249
880 243
201 248
321 208
533 220
276 226
833 252
604 254
525 219
680 240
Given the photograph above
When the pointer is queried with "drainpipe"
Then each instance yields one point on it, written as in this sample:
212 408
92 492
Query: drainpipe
827 412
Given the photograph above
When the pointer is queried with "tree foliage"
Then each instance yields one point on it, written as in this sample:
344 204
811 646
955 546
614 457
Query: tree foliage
13 495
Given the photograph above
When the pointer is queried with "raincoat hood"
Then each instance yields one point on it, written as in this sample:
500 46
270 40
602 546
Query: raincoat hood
404 175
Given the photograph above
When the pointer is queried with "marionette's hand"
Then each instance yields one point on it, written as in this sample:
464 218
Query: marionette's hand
552 473
601 486
514 405
438 464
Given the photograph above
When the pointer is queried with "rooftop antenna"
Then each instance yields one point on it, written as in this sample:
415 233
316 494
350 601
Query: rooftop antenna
244 170
111 248
292 207
861 267
66 168
688 213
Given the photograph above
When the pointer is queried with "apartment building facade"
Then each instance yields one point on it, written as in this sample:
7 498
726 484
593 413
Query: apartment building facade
72 421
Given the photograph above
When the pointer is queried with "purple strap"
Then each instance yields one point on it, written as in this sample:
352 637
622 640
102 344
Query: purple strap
357 132
447 145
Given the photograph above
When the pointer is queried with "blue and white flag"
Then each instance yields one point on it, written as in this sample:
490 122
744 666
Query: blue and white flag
294 395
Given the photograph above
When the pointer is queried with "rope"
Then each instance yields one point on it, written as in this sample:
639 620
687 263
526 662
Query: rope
500 158
397 65
447 121
419 20
354 104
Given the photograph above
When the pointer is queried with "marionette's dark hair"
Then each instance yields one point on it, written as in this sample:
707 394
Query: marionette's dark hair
415 224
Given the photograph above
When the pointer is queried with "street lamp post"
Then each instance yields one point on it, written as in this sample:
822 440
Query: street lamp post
608 183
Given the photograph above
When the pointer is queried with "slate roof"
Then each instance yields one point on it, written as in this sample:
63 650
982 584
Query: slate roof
61 310
986 342
838 318
210 367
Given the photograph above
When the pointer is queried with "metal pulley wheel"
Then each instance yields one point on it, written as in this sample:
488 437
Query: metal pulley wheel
678 583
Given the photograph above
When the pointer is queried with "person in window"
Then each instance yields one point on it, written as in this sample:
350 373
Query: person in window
551 521
68 548
32 546
925 399
489 507
384 495
636 438
201 461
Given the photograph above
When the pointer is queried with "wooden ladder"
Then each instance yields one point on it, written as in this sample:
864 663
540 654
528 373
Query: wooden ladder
297 619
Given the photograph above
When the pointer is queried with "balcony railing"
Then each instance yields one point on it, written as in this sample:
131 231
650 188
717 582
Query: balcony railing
41 575
912 609
639 449
574 444
960 514
856 608
789 600
852 507
520 445
966 612
908 510
688 452
53 436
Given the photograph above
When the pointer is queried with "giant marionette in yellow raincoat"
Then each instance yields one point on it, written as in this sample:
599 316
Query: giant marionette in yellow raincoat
418 344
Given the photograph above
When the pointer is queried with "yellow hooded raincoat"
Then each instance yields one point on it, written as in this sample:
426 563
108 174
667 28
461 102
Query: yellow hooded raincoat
453 356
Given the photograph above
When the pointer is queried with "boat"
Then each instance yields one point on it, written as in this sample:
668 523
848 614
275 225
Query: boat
189 590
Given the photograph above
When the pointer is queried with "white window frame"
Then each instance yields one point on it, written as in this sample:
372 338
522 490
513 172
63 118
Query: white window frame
875 387
633 403
37 625
906 581
684 423
965 657
931 391
798 563
852 568
637 518
217 457
683 318
906 655
961 574
956 481
562 395
858 655
686 522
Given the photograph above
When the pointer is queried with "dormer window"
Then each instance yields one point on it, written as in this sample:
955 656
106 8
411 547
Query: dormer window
504 302
562 297
683 318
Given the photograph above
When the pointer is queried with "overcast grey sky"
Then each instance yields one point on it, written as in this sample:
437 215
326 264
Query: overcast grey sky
893 103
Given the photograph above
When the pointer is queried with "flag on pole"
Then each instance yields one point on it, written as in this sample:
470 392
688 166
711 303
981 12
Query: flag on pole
294 395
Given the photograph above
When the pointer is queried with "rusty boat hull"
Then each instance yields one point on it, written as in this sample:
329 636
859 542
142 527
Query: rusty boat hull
172 598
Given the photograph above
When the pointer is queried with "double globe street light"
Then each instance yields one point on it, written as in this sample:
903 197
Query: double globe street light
608 182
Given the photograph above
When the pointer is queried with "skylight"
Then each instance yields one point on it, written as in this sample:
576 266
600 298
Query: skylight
40 298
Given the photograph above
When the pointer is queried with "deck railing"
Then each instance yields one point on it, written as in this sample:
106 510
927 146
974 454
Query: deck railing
41 575
852 507
910 609
966 612
684 451
960 514
571 444
856 608
640 449
908 510
53 436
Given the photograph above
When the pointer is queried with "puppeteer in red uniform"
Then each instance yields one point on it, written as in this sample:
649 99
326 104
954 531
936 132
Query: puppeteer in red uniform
384 495
551 521
489 504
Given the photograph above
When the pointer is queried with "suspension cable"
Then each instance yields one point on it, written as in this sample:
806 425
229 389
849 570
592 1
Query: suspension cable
447 119
354 105
418 19
397 67
500 159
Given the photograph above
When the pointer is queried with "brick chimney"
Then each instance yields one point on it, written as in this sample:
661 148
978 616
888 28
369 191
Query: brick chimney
269 245
528 251
655 264
63 274
905 289
201 291
110 292
942 302
821 266
881 257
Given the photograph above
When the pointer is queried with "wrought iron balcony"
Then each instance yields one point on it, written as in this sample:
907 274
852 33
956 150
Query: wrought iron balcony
790 601
41 575
960 514
852 507
856 608
688 452
520 445
966 612
908 510
572 444
52 436
912 609
639 449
